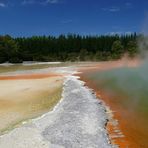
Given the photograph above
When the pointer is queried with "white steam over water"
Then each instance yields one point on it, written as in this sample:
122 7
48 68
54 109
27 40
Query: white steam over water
78 121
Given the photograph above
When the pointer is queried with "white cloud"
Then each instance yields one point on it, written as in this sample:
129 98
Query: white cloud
128 5
41 2
111 9
115 33
119 33
2 5
24 2
52 1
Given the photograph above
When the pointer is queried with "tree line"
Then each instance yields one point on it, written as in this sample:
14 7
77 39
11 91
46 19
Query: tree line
71 47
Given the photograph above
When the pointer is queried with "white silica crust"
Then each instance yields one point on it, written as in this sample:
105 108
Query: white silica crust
78 121
61 70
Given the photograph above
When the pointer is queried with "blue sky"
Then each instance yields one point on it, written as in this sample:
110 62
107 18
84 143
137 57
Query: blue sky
54 17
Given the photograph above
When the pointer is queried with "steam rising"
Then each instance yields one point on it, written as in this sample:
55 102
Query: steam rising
131 82
143 46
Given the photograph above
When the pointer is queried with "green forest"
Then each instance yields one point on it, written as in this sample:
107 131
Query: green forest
71 47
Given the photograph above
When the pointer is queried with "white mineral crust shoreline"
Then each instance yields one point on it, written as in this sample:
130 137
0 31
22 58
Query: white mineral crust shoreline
78 121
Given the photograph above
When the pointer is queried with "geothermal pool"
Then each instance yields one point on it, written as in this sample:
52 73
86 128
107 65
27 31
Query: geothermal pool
78 120
125 90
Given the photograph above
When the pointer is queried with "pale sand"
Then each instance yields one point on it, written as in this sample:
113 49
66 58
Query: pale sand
24 99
